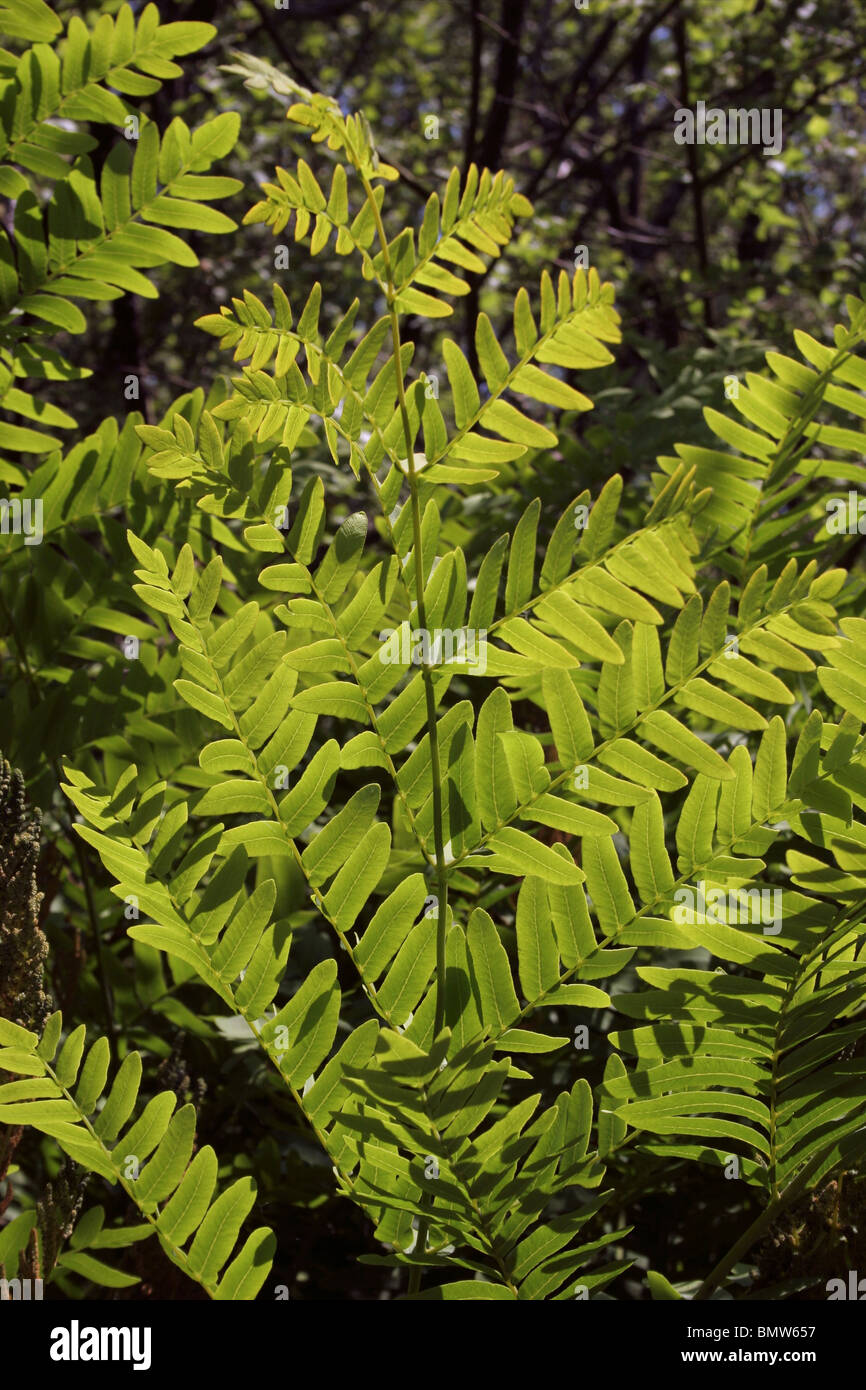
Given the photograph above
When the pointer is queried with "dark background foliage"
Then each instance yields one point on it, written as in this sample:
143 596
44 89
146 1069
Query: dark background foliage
712 248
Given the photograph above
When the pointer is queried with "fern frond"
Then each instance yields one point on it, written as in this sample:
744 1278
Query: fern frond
764 501
151 1158
118 55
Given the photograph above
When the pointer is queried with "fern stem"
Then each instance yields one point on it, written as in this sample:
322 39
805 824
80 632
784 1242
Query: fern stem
420 1246
426 673
758 1228
421 609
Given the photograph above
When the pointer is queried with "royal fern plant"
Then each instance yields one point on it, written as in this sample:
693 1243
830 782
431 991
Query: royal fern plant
74 235
597 794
